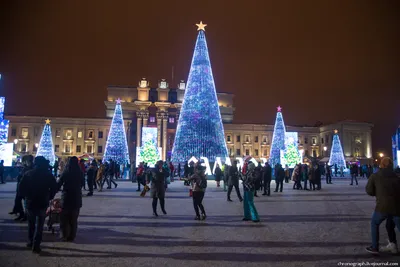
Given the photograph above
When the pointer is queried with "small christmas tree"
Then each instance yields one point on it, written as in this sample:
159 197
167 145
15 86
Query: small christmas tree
117 146
46 148
337 156
149 153
200 132
278 139
292 155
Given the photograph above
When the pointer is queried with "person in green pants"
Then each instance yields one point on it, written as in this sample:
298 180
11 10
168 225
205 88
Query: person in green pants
250 211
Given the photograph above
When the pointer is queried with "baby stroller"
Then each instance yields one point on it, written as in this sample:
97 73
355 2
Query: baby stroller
53 212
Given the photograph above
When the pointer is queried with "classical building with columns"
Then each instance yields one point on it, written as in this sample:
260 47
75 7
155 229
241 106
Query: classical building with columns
159 107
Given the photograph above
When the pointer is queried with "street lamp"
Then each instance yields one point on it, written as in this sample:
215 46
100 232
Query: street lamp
325 149
381 155
15 141
36 145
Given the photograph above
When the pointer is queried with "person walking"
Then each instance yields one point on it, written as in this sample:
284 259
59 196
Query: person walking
218 175
199 185
2 171
71 199
267 176
279 176
354 173
234 181
91 178
328 174
287 174
27 162
55 167
250 211
100 176
111 174
157 189
38 186
172 171
179 171
385 187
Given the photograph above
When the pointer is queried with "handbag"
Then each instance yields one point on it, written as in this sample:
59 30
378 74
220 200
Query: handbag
145 190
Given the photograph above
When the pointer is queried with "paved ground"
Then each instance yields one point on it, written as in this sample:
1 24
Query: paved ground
116 228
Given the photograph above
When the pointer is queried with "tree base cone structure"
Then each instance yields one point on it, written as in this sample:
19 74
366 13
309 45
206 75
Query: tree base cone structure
337 156
200 132
278 139
117 146
46 148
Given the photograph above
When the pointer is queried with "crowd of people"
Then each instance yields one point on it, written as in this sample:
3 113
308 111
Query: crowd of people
38 183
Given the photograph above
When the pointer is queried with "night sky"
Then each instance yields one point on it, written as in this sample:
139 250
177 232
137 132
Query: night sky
320 60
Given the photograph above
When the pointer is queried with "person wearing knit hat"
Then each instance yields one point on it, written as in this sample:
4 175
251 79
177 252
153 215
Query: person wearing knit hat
385 187
250 211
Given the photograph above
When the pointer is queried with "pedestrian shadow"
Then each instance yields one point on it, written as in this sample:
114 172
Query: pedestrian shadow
210 256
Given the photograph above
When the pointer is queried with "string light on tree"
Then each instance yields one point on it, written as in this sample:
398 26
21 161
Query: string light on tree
200 132
46 148
278 138
337 156
117 146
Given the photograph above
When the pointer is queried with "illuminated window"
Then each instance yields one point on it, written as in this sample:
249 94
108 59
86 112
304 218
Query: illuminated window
265 139
90 134
314 140
229 138
247 138
58 132
68 133
67 148
89 149
152 119
24 133
80 134
357 152
171 120
78 149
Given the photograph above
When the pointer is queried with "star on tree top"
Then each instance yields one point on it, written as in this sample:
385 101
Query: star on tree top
335 131
118 101
201 26
279 108
48 121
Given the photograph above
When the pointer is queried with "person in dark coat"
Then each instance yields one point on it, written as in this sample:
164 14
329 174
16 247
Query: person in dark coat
111 174
385 187
55 168
157 189
27 162
267 176
179 170
218 175
233 181
354 173
91 174
279 177
258 177
317 177
2 171
38 186
71 199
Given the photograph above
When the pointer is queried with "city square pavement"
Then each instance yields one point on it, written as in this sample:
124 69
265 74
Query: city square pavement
116 228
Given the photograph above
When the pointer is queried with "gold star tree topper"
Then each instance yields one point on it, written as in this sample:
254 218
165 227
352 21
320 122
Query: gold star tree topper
335 131
201 26
47 121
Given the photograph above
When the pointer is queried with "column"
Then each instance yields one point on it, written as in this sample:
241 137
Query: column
159 121
164 137
368 145
138 129
145 119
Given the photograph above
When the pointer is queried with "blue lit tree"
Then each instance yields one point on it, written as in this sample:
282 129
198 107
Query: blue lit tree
278 139
117 146
200 132
337 156
46 148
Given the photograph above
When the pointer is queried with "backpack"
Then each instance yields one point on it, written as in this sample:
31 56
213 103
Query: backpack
203 183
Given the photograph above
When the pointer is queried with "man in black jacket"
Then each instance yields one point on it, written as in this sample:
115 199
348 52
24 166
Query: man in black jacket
234 181
37 186
267 176
385 186
27 162
279 176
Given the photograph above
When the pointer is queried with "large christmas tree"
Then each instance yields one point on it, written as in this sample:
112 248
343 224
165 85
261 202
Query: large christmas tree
200 132
46 148
117 146
149 153
278 139
337 156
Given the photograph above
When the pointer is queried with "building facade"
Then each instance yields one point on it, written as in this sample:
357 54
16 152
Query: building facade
159 107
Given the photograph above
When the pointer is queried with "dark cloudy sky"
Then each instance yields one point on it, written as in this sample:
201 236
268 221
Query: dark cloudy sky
321 60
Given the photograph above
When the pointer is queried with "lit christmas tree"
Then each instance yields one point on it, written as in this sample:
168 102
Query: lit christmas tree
200 132
278 139
149 153
117 146
46 148
337 156
292 155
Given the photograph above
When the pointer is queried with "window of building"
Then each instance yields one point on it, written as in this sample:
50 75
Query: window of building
78 149
68 134
265 139
13 132
256 152
314 141
247 138
256 139
80 134
24 133
100 134
237 138
67 148
99 149
247 152
322 140
228 138
305 140
58 132
23 148
265 154
314 153
56 148
230 151
238 152
34 148
89 149
152 119
91 134
171 120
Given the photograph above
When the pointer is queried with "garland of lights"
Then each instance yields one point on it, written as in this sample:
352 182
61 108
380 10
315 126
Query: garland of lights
278 139
337 156
46 148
